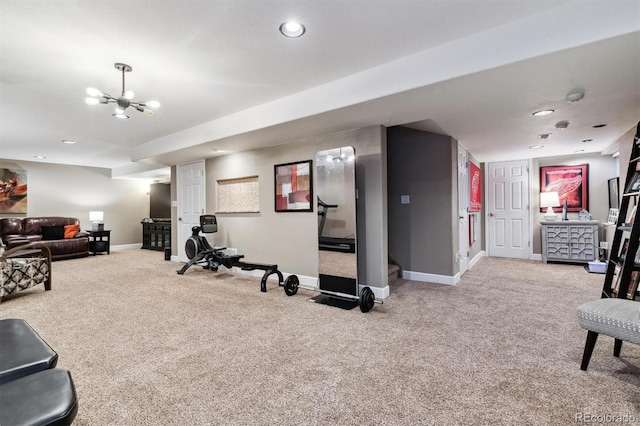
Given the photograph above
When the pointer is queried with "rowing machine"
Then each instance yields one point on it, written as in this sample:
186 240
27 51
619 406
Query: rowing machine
200 252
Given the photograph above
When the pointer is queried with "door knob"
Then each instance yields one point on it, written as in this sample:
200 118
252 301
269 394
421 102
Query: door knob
491 214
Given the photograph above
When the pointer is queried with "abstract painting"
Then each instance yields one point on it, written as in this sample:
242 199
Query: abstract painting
13 191
293 190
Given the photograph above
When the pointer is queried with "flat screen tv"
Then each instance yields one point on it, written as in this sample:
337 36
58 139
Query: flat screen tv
160 201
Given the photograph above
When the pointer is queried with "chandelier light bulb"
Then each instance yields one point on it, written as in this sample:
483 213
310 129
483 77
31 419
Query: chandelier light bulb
94 92
153 104
92 101
129 94
147 112
119 110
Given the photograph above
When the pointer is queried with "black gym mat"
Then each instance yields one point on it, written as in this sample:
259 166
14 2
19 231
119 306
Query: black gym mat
334 301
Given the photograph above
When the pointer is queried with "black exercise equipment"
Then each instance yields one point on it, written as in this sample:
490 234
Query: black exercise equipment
345 245
200 252
366 300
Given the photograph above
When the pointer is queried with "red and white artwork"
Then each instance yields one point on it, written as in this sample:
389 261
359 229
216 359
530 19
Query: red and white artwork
475 188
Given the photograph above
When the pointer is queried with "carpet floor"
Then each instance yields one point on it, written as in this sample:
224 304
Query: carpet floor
146 346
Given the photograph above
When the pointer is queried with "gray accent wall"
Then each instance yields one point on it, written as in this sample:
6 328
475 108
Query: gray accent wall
423 235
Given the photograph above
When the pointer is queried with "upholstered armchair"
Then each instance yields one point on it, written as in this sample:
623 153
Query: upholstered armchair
24 267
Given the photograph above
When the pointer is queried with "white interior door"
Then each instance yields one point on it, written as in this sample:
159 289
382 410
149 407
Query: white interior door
191 202
463 209
508 209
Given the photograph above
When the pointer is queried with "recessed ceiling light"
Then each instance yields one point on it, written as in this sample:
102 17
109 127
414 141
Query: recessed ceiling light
577 151
597 126
543 112
587 140
562 124
39 157
544 135
292 29
536 146
574 97
68 141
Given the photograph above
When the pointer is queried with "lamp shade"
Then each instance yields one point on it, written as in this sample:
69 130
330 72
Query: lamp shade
96 216
549 199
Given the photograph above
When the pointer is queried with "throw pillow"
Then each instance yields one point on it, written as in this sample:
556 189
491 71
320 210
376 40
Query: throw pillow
52 232
70 231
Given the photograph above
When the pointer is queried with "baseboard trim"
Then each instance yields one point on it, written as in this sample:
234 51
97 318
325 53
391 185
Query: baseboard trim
477 258
379 292
125 247
536 256
311 283
305 281
431 278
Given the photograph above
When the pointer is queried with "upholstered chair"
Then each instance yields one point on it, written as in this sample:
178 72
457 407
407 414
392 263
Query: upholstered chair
24 267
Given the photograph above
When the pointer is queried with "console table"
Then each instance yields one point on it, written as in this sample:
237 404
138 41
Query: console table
156 235
569 240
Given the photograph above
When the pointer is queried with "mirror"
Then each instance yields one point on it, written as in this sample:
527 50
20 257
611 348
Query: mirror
336 201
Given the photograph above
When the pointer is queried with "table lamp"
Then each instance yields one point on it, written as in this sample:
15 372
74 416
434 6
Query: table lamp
96 220
549 200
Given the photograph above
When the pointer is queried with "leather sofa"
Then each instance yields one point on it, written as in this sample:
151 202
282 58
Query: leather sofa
49 231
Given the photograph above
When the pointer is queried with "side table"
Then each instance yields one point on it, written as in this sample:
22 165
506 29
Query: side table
100 241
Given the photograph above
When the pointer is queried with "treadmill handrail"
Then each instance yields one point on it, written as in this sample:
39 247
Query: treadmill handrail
325 205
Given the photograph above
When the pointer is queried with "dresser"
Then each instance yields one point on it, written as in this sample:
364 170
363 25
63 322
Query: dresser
569 240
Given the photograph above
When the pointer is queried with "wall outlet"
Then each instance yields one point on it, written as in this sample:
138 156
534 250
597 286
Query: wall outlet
404 199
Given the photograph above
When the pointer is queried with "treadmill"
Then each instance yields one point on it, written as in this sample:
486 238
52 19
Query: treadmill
344 245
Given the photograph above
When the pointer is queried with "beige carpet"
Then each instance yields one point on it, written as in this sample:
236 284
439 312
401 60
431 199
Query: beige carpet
146 346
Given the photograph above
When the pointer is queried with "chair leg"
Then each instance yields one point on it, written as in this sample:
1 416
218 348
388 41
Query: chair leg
47 283
617 346
592 336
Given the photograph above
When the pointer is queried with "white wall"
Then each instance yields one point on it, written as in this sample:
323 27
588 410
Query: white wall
601 169
72 191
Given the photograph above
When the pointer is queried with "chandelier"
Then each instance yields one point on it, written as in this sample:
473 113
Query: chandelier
124 101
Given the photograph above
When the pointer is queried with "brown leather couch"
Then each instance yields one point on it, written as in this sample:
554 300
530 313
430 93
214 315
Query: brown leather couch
18 231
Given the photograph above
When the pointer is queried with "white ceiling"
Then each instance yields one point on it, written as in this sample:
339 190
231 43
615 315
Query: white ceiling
227 79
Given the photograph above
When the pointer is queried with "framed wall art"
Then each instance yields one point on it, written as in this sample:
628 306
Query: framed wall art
239 195
13 191
570 182
614 188
293 187
475 188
